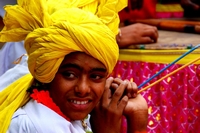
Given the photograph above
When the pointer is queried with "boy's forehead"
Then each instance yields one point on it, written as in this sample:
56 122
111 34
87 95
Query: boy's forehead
82 59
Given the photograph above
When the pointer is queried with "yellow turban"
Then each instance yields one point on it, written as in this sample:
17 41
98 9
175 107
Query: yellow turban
52 29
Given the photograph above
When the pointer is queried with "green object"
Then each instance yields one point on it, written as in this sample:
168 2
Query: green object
189 46
142 46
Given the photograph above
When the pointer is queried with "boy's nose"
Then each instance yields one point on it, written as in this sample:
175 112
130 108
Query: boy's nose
83 86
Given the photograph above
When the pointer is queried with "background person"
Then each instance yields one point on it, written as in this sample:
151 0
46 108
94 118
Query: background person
10 51
133 34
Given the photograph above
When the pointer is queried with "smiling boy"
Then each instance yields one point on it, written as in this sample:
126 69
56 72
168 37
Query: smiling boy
70 58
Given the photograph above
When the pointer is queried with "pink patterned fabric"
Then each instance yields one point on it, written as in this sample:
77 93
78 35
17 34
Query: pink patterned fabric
169 14
174 103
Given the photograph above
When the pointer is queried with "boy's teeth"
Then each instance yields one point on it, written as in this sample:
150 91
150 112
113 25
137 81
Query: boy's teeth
79 102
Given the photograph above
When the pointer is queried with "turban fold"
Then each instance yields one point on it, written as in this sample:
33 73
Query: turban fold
51 29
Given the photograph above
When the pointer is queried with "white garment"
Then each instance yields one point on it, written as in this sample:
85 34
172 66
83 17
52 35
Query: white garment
13 74
9 53
10 72
37 118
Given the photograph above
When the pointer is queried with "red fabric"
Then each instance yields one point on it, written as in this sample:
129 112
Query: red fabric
44 98
148 10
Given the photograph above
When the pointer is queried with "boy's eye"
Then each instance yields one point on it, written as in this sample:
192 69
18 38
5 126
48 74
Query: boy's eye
96 76
68 74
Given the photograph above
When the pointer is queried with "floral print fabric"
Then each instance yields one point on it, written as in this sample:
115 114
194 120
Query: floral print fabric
174 103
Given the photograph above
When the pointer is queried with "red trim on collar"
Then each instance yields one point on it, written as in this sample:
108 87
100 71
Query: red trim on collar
44 98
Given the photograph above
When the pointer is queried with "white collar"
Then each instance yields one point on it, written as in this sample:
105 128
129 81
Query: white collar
42 118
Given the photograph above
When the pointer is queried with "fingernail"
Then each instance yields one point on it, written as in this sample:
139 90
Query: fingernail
129 95
134 94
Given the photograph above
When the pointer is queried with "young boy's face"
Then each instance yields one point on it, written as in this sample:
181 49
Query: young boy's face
78 85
